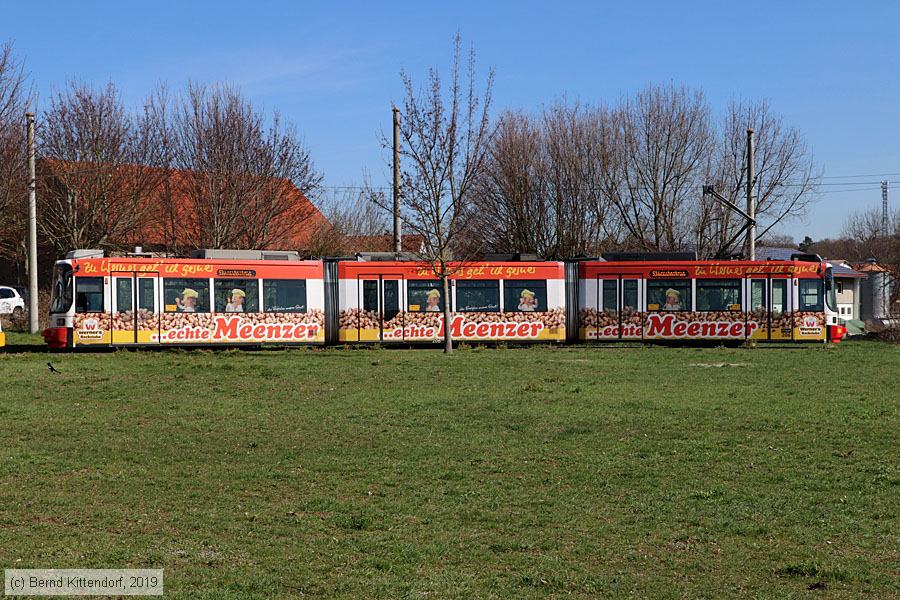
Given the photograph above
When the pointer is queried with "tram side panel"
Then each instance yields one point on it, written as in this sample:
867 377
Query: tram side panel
89 318
354 325
588 313
609 307
684 303
268 304
402 302
610 303
169 302
702 301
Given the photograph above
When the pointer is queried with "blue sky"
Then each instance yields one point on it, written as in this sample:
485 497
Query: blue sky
830 68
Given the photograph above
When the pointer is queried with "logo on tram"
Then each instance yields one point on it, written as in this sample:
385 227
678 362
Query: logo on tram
810 325
90 330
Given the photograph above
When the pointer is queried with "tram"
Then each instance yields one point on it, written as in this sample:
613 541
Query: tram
276 298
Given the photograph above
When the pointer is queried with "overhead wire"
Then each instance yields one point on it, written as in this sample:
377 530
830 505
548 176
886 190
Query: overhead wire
849 186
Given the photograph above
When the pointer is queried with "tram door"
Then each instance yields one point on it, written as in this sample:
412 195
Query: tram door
781 308
608 322
135 318
380 302
621 302
759 307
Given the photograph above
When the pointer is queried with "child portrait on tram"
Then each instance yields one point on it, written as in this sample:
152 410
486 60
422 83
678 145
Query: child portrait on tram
673 300
527 301
188 301
236 303
433 301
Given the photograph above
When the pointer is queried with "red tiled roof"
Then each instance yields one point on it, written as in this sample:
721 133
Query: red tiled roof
294 226
870 267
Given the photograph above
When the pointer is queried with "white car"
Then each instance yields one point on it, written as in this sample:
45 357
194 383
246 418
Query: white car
11 301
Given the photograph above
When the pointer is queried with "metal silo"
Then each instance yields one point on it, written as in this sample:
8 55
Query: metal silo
875 294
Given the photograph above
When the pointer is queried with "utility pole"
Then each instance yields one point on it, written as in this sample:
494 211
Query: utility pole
751 208
398 242
32 232
884 209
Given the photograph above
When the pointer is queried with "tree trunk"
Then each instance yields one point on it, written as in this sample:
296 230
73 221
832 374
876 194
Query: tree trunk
448 338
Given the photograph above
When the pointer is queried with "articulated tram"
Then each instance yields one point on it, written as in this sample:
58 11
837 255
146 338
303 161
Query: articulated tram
262 298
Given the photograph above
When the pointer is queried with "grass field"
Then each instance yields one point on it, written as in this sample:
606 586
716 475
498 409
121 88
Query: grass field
519 473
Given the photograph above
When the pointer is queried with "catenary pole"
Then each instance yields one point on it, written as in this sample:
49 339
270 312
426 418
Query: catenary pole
751 208
398 242
32 231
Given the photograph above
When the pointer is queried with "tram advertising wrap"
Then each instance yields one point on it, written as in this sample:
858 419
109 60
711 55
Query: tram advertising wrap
148 302
404 302
154 302
734 300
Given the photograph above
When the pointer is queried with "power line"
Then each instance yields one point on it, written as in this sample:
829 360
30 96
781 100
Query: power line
851 186
854 176
866 189
848 183
868 186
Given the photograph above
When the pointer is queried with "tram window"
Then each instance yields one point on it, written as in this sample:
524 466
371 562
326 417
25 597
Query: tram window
370 295
186 295
718 294
610 297
629 294
391 292
669 294
424 295
123 294
779 295
236 295
145 293
757 294
88 294
811 295
478 295
521 295
284 295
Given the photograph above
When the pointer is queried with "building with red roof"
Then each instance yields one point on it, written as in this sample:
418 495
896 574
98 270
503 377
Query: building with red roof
182 210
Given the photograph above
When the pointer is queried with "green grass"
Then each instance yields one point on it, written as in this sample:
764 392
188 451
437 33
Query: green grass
521 473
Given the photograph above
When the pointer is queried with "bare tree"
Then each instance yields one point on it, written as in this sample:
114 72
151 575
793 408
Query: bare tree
662 138
205 170
581 179
94 175
512 212
543 190
578 159
352 218
445 135
156 123
865 237
778 240
244 181
15 96
785 176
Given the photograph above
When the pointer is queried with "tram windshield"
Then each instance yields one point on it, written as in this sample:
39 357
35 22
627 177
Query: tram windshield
61 294
830 296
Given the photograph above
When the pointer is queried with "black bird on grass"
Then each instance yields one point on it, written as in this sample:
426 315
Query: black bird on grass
51 368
